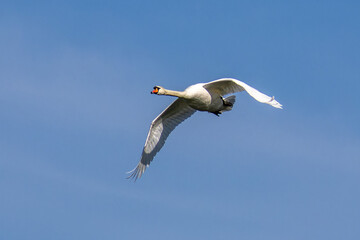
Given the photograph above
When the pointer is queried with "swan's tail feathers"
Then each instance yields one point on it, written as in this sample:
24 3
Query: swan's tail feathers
230 99
228 103
137 172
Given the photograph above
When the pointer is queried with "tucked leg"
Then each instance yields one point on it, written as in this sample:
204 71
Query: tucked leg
217 113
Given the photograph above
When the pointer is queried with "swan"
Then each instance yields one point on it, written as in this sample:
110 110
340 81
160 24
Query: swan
199 97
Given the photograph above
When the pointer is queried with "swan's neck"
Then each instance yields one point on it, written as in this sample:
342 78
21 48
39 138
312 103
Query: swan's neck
174 93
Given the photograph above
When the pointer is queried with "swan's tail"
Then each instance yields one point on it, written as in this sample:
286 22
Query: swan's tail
228 103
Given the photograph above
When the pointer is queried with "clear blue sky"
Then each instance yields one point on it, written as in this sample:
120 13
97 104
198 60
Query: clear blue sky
75 109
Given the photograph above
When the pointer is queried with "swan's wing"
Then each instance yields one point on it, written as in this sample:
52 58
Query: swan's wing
160 129
226 86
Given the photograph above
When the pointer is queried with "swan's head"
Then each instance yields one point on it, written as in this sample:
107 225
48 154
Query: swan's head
158 90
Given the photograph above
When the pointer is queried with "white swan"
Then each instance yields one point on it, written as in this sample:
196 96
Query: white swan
203 97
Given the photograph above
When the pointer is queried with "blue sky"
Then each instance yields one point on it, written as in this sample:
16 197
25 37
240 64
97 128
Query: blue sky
75 109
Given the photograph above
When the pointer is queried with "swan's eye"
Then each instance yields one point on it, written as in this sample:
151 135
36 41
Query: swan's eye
156 90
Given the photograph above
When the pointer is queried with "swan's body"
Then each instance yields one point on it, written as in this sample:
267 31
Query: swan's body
202 97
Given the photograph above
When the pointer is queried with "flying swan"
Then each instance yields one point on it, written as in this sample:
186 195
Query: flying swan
202 97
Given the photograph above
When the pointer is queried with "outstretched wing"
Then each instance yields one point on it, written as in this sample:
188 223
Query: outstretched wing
160 129
226 86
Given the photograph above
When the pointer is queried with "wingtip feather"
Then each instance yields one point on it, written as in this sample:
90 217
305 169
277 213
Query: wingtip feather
274 103
137 172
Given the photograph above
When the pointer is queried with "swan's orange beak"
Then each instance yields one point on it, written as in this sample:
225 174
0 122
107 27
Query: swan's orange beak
155 91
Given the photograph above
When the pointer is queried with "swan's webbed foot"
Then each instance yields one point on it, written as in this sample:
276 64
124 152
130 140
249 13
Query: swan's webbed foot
217 113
